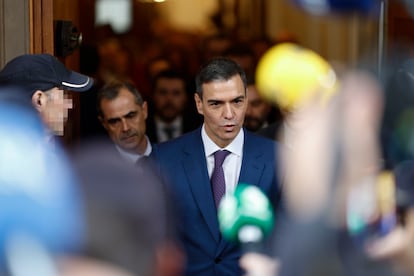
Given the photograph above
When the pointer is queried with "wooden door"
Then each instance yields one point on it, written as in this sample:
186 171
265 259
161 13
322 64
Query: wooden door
400 32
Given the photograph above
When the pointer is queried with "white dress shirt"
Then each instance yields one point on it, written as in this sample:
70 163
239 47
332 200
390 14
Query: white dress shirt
232 163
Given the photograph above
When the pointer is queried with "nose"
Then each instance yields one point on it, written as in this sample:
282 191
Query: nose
228 112
124 125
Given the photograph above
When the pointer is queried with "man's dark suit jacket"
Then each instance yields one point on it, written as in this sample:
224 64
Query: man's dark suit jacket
182 165
191 121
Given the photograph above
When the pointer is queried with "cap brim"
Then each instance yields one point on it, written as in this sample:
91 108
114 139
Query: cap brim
77 82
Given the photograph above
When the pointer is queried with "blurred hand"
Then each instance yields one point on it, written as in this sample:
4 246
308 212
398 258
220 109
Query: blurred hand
392 245
256 264
397 246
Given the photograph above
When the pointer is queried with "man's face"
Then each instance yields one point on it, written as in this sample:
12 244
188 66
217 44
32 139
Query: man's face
55 110
170 98
124 120
257 110
223 106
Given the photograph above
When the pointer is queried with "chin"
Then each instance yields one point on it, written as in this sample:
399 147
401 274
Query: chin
130 147
58 129
229 135
127 146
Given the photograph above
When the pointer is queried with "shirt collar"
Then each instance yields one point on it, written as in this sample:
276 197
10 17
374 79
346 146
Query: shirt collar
236 146
133 157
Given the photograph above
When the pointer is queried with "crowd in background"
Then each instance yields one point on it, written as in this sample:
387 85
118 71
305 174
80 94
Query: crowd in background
126 57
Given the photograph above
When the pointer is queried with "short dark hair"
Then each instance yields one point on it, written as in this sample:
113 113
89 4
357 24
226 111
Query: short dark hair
111 90
220 68
170 74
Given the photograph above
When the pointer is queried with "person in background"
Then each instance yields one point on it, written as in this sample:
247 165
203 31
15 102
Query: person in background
44 80
150 69
122 112
258 110
243 55
260 45
171 114
188 167
116 60
214 46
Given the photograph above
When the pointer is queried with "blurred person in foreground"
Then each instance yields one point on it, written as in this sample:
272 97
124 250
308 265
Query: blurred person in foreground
334 223
398 245
96 215
130 218
398 151
44 80
123 113
398 121
189 165
40 206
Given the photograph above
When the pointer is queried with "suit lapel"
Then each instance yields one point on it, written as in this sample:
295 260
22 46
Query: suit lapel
252 163
197 176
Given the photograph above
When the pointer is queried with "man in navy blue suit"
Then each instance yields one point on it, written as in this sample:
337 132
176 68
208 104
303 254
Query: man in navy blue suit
186 164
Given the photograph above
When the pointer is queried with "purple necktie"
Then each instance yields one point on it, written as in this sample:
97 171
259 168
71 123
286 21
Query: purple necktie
218 183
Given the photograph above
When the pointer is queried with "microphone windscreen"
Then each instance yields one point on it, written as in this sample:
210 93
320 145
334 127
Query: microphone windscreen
246 216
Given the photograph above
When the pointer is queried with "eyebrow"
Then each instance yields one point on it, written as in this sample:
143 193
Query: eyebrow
239 98
221 101
129 114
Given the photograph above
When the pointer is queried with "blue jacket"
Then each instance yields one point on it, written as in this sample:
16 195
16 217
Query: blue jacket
182 165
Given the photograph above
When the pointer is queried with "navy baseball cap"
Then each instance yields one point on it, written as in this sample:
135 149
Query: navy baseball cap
32 72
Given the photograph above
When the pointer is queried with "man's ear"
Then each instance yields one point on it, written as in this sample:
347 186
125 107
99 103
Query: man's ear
39 100
102 120
198 103
145 109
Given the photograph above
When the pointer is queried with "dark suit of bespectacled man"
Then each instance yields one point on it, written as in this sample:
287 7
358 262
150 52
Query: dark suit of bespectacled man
186 165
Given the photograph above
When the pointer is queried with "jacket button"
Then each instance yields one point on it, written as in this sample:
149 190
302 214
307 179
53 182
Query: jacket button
217 260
